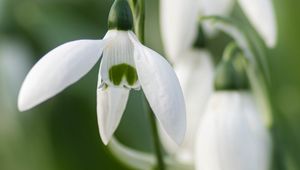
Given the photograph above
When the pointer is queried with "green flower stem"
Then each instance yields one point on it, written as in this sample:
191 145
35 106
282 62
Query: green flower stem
156 142
138 8
160 164
140 27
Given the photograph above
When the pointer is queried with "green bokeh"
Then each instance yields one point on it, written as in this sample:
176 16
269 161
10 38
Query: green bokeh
62 133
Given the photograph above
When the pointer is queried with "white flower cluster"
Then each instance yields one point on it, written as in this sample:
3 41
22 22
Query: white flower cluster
225 129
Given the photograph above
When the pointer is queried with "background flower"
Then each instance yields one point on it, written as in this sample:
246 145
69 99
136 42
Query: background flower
232 134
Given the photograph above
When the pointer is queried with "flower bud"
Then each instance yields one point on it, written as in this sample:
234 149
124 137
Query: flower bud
231 73
120 16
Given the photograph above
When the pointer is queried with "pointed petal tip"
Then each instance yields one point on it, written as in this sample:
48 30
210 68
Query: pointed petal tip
22 108
105 139
111 104
26 99
177 133
23 105
271 43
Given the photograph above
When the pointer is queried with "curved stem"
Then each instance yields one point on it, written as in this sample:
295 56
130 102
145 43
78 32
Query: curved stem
154 130
138 10
156 142
141 21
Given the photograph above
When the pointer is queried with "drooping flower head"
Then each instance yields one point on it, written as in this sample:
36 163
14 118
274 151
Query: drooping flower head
179 20
126 64
232 134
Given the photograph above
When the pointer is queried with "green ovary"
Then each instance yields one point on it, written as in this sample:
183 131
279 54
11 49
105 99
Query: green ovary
120 71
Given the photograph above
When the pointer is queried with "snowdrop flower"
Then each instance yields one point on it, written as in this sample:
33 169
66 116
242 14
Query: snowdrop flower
179 21
195 71
193 66
126 64
232 135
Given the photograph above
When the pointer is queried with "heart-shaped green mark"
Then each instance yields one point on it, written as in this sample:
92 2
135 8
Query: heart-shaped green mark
117 72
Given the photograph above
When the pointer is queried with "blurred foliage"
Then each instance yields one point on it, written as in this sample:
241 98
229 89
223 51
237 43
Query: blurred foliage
62 134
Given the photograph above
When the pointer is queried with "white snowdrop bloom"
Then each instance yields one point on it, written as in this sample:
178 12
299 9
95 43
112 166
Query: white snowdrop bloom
179 20
126 64
193 66
232 135
195 71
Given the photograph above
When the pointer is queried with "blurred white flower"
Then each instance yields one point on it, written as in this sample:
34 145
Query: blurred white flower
195 72
126 64
232 135
179 21
194 68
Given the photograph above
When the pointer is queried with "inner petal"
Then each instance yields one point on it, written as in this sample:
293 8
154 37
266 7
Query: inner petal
117 66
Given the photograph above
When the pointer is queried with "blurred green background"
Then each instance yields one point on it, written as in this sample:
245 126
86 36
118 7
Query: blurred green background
62 134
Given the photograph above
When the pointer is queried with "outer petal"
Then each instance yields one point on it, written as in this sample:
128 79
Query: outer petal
111 103
262 17
57 70
162 90
195 72
232 135
178 20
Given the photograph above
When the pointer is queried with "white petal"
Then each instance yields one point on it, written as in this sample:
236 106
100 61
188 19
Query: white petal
195 72
162 90
262 16
57 70
232 135
215 7
111 103
178 20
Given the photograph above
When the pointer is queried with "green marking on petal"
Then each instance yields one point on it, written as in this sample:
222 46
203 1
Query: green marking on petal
117 72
